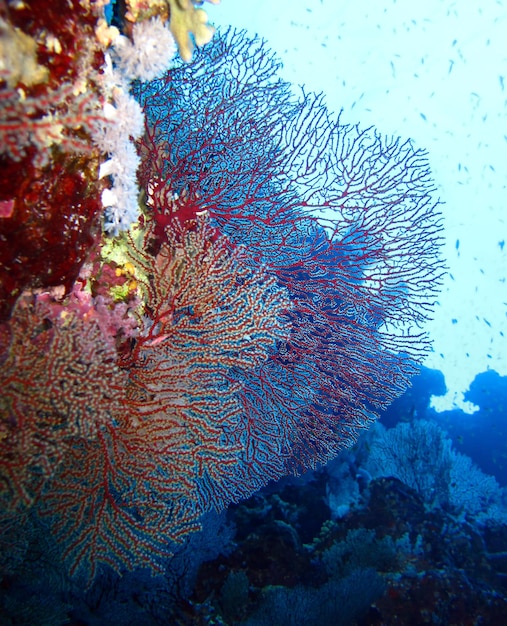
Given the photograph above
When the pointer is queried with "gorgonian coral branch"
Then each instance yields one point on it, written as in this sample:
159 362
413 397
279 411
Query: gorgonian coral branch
285 261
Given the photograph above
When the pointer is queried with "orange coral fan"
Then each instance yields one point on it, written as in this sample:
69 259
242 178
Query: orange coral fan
59 379
166 448
207 313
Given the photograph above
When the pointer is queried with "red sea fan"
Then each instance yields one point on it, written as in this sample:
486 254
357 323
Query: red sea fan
342 217
207 314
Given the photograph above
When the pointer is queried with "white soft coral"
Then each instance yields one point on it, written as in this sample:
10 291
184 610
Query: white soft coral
150 52
125 122
120 202
146 57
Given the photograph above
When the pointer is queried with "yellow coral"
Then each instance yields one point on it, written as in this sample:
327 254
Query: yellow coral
18 57
185 19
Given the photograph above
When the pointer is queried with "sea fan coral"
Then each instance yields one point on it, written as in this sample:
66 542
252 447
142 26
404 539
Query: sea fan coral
342 217
59 380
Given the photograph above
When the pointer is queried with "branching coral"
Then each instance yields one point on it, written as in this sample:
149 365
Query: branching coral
164 446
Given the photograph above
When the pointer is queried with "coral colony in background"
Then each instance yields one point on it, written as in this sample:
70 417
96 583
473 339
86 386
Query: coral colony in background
206 283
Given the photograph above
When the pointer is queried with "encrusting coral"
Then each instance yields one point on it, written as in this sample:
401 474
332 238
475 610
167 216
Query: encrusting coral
64 112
